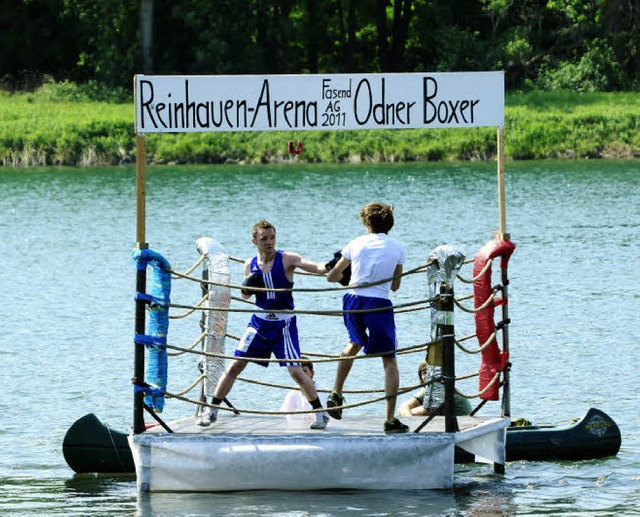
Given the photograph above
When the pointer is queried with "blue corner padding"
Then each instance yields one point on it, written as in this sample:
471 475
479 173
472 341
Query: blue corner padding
148 391
150 341
158 293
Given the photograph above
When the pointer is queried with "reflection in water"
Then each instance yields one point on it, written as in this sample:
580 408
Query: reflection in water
107 495
97 484
476 493
113 494
491 496
384 502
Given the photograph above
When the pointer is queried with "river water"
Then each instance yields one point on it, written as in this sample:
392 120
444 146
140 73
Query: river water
66 237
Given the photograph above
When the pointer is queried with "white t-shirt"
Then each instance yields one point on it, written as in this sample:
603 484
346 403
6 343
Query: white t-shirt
295 401
373 257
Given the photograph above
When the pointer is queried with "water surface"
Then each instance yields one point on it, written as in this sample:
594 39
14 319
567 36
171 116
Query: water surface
68 281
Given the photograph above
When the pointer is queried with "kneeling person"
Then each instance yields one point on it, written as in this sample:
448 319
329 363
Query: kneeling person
415 405
294 400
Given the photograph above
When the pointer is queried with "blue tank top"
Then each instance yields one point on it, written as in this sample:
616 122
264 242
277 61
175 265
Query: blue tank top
274 279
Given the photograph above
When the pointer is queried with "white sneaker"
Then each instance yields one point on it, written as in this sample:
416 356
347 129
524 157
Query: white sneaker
208 416
322 419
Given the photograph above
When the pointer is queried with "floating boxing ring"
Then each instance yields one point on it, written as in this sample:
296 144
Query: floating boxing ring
176 104
215 304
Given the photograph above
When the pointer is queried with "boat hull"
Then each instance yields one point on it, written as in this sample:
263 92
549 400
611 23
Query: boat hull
91 446
594 436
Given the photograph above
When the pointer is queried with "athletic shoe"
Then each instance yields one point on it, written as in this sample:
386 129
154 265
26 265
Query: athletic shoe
333 401
395 426
321 421
208 416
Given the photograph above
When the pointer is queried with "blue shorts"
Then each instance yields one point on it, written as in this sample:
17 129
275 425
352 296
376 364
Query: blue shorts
381 336
263 337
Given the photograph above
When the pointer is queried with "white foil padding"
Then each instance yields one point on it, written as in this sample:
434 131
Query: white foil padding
445 262
199 462
191 462
490 446
216 266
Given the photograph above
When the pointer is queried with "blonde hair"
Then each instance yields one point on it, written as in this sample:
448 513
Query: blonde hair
377 216
261 225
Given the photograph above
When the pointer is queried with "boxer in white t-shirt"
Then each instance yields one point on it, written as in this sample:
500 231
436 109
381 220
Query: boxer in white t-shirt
372 257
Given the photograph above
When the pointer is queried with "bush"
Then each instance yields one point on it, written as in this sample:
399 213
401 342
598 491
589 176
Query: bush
596 70
92 91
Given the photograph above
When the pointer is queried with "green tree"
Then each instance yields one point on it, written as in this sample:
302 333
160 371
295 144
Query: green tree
110 39
551 44
37 40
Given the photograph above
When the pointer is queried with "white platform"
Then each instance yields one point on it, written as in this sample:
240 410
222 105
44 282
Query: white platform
271 452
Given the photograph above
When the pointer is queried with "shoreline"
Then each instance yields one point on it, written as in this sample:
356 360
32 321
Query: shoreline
39 132
91 159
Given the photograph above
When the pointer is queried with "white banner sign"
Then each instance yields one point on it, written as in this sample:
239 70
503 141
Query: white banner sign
176 104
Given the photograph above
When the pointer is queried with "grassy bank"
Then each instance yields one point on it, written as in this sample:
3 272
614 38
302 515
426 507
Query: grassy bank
38 130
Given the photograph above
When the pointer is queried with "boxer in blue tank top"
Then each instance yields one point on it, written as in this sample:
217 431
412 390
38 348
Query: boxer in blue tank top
270 332
274 279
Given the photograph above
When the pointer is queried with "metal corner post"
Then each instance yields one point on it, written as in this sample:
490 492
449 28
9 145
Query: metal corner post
446 332
503 234
502 208
141 285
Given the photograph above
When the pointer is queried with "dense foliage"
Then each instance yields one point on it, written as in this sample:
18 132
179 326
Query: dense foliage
57 125
578 45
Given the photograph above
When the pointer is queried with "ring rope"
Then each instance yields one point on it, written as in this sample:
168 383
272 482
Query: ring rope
240 299
467 376
320 390
417 348
412 309
476 395
242 261
190 347
480 349
191 310
320 410
316 354
193 385
465 338
408 307
327 360
403 389
335 312
478 276
236 259
192 268
483 306
302 290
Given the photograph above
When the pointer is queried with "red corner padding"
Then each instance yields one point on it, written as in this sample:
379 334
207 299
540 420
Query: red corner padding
493 360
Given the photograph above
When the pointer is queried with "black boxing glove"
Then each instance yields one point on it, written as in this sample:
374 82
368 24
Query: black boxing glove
346 276
332 263
253 280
